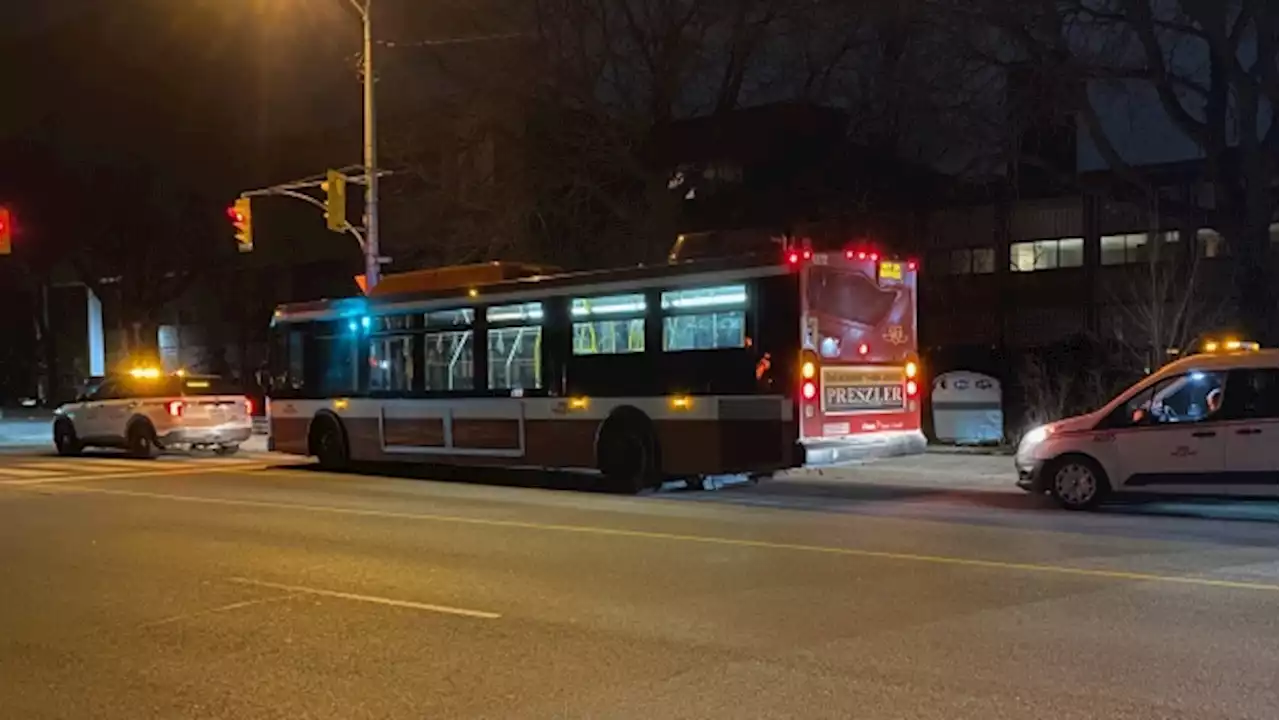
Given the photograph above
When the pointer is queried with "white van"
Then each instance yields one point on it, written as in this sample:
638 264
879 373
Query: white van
1203 425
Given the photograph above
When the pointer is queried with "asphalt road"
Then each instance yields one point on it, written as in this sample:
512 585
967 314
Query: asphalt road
202 590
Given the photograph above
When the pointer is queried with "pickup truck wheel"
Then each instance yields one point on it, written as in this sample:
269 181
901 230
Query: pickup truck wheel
65 439
140 440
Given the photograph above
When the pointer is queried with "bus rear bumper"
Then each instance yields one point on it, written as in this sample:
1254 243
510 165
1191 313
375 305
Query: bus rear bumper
831 451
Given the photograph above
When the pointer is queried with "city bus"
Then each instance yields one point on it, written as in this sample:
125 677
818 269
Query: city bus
699 368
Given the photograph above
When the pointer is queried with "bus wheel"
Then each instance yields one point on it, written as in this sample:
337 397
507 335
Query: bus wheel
627 454
328 443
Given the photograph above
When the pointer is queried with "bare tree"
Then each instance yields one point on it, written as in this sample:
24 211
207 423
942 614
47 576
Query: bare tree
1209 66
1162 309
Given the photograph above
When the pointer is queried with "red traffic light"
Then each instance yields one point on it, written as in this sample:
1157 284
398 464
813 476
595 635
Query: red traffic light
234 214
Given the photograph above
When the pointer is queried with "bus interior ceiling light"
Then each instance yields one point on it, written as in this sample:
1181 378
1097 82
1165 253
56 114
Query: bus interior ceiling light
728 298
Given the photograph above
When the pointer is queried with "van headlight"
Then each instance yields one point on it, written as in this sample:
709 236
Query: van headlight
1036 435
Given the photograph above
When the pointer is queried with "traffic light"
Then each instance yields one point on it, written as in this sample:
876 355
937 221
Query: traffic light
6 231
241 215
335 200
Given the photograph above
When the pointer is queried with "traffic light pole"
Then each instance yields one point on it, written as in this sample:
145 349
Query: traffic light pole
372 256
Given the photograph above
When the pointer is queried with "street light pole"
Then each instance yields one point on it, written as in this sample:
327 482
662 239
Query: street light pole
372 254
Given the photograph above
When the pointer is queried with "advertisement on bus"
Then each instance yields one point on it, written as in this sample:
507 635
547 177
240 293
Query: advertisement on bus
860 327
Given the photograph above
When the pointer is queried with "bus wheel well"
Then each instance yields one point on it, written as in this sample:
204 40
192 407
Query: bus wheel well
323 423
627 450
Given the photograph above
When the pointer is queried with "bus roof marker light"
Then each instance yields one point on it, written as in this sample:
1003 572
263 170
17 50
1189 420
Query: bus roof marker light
848 254
862 254
793 258
913 265
874 257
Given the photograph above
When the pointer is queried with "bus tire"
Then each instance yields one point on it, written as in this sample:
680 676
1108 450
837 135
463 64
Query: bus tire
328 442
627 452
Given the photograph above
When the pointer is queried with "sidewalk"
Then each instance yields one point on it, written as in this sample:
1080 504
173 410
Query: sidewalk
26 428
940 471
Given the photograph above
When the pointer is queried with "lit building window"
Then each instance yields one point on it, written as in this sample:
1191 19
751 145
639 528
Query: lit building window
1034 255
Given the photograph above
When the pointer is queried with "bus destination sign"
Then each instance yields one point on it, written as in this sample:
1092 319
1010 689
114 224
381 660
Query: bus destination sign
847 390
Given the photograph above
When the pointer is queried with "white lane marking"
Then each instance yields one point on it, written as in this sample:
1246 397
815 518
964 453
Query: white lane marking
1029 567
220 609
193 469
19 471
78 466
392 602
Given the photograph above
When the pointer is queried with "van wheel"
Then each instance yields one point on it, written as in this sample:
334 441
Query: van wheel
140 440
1077 482
627 454
65 439
329 444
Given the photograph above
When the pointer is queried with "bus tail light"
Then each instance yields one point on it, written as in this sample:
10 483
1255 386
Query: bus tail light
863 349
809 390
913 388
248 406
808 370
911 369
175 407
